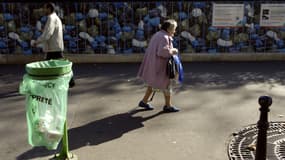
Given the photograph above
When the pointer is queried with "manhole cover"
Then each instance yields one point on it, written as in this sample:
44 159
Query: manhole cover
242 143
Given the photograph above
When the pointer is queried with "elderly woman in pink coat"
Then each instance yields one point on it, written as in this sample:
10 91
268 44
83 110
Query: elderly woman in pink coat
153 67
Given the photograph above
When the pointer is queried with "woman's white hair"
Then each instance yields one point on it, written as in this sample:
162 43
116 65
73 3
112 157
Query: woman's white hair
169 24
173 23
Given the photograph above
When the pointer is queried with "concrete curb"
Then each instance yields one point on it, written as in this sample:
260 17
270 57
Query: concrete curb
234 57
134 58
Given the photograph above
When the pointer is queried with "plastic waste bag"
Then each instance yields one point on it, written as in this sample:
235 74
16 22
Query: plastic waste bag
46 108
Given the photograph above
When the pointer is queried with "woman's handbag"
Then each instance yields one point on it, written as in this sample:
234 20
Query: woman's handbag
171 68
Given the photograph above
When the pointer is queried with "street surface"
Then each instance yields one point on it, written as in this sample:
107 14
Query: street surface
105 123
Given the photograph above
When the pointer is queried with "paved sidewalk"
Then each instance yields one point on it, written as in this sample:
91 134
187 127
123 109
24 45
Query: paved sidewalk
105 123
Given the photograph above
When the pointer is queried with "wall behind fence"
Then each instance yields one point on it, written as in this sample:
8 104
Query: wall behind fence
126 27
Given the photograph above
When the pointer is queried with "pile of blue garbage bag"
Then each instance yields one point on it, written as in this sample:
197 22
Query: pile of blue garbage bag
126 28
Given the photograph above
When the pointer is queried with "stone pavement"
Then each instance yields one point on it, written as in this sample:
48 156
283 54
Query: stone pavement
105 123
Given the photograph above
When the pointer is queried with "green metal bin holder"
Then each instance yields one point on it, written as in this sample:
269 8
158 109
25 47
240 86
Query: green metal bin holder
44 70
64 153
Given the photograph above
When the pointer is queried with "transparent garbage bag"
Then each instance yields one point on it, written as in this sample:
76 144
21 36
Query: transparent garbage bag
46 108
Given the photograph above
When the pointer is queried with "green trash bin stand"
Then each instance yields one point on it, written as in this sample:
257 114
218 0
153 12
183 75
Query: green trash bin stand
45 86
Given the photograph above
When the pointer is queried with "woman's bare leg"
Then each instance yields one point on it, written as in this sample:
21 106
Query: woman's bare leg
147 94
167 97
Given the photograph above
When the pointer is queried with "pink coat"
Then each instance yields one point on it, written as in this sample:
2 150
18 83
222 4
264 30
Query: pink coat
153 67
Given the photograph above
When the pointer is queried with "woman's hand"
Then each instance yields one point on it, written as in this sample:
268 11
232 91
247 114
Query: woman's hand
34 43
174 50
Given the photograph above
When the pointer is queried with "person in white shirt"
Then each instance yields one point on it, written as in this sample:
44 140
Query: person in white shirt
52 36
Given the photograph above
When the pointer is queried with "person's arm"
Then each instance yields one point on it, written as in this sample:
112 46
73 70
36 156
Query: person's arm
48 31
164 49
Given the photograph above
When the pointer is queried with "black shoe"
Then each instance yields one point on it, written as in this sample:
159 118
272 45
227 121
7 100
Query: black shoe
71 83
170 109
145 105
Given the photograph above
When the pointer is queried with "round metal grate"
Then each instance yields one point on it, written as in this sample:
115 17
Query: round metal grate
242 144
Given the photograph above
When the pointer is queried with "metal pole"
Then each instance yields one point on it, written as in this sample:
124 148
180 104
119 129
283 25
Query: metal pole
262 125
64 153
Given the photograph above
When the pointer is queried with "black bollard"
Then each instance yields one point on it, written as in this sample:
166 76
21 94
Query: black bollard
262 125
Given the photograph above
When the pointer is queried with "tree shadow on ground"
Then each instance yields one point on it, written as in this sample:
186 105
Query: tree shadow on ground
9 94
105 78
201 75
96 132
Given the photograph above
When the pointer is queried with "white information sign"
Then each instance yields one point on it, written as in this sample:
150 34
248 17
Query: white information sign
227 15
272 15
